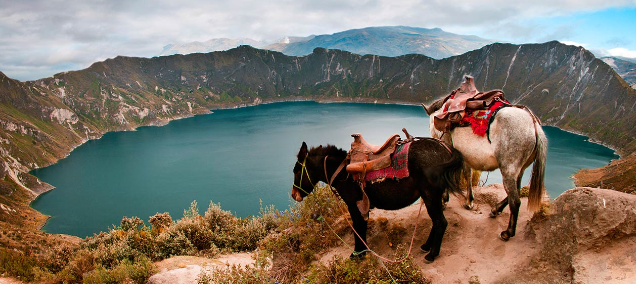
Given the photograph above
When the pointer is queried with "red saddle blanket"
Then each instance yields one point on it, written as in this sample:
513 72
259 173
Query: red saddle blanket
399 165
479 120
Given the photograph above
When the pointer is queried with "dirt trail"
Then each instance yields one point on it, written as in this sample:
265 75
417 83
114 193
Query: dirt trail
471 246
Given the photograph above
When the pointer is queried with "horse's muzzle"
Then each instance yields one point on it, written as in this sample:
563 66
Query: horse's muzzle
296 194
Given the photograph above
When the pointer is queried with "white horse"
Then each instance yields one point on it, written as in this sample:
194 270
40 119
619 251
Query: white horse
516 141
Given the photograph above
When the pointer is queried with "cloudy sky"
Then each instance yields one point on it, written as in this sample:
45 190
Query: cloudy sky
39 38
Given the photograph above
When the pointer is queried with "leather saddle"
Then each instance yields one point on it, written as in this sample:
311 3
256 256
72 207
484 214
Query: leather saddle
365 157
465 98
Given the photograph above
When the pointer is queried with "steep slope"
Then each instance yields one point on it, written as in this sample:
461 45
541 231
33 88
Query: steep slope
43 120
624 68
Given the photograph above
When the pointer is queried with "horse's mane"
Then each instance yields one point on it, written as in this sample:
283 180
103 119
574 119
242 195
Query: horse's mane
329 150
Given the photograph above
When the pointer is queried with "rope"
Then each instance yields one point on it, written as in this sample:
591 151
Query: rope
485 181
376 254
356 232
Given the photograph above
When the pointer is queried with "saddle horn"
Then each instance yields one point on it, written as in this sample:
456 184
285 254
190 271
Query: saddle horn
468 86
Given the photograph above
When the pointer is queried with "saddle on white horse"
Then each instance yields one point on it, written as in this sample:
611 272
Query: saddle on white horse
464 99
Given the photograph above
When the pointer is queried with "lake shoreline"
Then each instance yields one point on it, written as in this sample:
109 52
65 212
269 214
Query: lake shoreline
160 122
296 129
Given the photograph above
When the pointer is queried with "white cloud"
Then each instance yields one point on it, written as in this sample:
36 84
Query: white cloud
622 52
573 43
53 34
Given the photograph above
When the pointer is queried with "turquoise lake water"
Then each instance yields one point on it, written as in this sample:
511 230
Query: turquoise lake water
237 157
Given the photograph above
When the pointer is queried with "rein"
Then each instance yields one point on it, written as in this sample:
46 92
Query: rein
302 173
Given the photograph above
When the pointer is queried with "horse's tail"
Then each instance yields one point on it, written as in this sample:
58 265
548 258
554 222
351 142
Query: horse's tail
449 173
537 187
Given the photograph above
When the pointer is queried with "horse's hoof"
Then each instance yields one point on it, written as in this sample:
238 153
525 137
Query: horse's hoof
504 236
468 206
493 214
425 248
358 255
429 258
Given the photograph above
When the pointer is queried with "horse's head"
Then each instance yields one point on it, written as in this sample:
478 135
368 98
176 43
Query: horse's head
304 179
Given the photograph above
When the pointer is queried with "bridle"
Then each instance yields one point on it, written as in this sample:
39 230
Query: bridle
302 173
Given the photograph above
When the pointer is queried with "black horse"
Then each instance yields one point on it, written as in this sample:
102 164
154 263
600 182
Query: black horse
433 168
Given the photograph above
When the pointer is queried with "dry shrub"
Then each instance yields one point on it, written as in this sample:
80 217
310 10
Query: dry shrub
236 274
302 232
126 271
368 270
489 198
160 222
524 191
395 234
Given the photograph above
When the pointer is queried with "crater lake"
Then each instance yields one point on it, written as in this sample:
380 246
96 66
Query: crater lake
239 158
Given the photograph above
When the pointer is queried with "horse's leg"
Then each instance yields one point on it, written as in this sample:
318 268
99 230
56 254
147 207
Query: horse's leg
434 241
512 189
468 177
360 227
501 205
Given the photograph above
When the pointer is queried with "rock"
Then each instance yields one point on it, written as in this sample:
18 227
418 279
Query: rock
590 236
187 269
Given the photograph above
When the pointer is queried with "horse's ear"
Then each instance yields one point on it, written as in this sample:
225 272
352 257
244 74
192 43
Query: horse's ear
427 110
303 151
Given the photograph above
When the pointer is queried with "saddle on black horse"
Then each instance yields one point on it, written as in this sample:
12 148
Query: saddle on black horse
364 157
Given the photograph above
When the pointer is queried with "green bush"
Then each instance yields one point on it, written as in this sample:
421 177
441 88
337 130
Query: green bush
17 264
173 242
126 271
195 231
219 220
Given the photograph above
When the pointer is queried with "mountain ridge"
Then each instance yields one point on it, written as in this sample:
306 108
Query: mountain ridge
625 67
43 120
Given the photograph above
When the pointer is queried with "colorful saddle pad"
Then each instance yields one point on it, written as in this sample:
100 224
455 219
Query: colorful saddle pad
479 120
399 165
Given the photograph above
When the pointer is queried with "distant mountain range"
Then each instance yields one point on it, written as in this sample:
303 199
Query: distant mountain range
625 67
217 44
385 41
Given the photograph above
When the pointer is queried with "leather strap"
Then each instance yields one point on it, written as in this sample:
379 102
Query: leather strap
335 174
